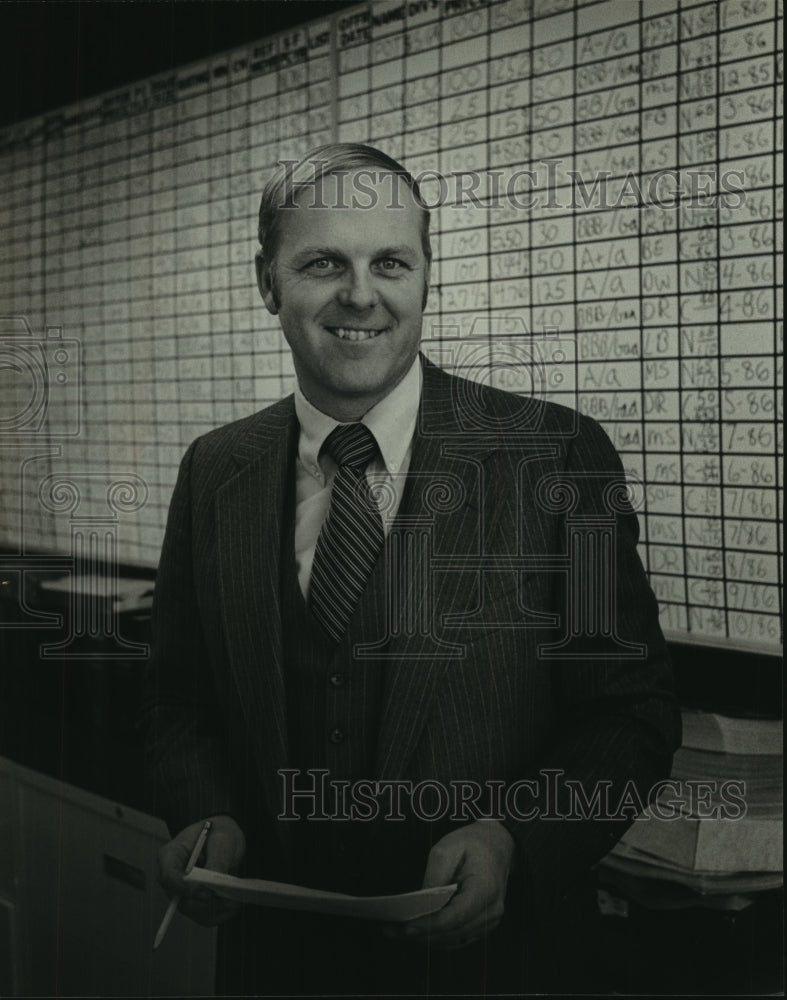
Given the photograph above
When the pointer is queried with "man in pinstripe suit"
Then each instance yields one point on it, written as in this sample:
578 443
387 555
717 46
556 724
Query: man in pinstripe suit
456 669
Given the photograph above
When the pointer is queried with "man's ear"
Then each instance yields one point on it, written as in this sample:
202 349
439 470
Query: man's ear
265 283
427 275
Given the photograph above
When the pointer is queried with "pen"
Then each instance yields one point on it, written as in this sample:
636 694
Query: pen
173 903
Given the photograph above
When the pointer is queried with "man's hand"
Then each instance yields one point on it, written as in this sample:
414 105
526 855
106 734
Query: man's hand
224 851
478 857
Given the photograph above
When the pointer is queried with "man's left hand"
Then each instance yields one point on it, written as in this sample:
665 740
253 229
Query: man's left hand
478 857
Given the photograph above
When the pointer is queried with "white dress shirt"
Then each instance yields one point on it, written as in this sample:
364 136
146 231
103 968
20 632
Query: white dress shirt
392 422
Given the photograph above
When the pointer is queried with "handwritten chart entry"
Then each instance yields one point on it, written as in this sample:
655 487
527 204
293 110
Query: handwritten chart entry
607 225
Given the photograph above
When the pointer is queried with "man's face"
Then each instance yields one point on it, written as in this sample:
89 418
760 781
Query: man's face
348 285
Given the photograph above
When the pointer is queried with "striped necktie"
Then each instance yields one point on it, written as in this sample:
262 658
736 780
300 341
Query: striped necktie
352 534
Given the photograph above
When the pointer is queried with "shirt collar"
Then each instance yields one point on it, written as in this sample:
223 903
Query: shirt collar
392 421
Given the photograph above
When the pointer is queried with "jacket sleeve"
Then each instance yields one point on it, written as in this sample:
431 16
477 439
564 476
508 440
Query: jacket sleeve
180 723
618 721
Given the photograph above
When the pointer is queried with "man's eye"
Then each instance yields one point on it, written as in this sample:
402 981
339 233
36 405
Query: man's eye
391 264
321 264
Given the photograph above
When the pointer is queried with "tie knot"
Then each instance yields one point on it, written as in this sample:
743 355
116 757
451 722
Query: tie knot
351 444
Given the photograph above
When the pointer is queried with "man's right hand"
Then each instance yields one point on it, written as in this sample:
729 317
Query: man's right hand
224 851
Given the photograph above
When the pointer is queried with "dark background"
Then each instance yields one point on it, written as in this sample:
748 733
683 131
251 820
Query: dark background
53 53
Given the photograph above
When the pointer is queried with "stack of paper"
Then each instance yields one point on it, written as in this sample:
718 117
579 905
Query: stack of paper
719 831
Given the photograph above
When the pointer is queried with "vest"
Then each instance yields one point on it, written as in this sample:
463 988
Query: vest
333 715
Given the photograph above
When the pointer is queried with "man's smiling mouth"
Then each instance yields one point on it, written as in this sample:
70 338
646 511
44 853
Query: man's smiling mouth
353 333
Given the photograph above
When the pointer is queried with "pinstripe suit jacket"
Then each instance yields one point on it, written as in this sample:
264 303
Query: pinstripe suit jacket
497 481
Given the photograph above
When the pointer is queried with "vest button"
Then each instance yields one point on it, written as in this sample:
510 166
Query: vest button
337 736
337 680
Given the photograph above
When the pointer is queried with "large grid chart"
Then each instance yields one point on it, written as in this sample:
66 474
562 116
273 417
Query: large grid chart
607 229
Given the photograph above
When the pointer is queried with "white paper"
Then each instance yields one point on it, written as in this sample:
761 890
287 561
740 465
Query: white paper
125 591
405 906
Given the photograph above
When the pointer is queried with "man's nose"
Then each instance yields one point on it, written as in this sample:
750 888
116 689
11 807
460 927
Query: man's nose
358 289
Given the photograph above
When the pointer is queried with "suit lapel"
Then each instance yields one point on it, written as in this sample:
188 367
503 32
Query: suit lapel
441 515
461 447
249 512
